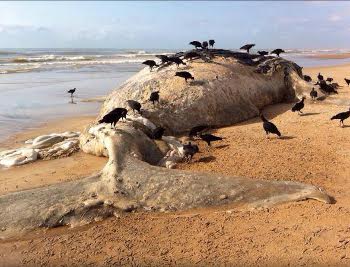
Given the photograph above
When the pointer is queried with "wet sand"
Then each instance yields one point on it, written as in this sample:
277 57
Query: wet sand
331 56
314 150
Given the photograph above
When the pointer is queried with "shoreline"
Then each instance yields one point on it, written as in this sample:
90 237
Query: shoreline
330 56
49 121
63 124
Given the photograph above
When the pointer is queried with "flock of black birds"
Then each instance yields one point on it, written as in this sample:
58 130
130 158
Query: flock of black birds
201 131
326 88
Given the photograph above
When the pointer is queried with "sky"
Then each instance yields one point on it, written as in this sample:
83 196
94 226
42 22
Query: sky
172 24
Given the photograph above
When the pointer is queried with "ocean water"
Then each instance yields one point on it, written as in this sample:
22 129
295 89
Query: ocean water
34 82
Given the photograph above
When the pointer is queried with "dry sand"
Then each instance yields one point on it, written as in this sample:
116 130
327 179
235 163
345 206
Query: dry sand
314 150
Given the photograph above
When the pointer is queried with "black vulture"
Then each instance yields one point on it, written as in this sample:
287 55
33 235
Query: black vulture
269 127
247 47
114 116
184 74
211 42
326 88
307 78
163 58
209 138
263 53
176 60
122 111
313 93
341 116
347 81
157 133
196 44
299 106
197 129
320 77
150 63
205 45
134 105
277 51
71 91
189 151
154 97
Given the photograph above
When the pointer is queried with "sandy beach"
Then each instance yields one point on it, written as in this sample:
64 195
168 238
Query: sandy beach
314 150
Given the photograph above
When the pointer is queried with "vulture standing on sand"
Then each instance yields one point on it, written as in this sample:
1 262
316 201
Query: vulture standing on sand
320 77
176 60
154 97
247 47
208 138
114 116
150 63
329 80
307 78
71 91
211 43
157 133
263 53
196 44
269 127
299 106
277 51
326 88
134 105
347 81
341 116
189 151
184 74
313 93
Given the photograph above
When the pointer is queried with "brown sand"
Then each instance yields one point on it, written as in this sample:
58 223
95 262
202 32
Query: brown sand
314 150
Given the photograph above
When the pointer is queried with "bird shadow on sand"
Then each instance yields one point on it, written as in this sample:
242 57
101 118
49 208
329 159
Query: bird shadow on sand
346 126
310 114
206 159
286 137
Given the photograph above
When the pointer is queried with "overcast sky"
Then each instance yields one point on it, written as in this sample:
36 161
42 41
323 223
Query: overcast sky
172 25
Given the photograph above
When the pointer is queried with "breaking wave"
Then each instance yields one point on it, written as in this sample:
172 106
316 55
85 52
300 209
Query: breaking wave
50 58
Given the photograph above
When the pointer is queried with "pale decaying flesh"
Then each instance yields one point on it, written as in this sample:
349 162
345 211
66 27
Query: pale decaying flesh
42 147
